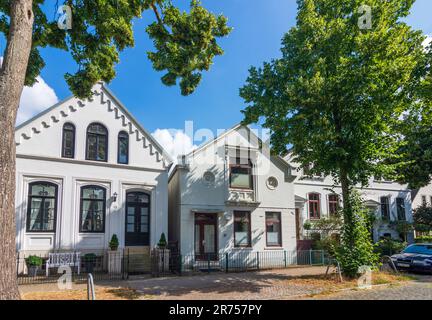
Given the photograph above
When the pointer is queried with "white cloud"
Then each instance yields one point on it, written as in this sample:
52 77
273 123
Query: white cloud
35 99
175 142
427 40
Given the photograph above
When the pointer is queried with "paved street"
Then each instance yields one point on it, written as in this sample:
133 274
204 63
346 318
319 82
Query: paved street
286 284
414 290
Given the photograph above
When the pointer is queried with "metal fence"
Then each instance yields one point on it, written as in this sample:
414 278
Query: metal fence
235 261
122 265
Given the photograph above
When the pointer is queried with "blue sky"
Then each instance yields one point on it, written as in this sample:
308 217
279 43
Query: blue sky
258 28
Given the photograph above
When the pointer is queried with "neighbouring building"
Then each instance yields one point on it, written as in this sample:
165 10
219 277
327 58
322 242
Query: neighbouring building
318 197
422 196
231 196
87 170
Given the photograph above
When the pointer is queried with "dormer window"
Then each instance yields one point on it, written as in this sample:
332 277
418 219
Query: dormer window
68 144
123 148
241 172
97 142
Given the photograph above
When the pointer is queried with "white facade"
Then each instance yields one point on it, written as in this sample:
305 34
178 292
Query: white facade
373 195
39 145
200 187
422 195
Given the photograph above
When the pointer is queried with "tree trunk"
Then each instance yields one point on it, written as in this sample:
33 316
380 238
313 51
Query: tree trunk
12 78
346 199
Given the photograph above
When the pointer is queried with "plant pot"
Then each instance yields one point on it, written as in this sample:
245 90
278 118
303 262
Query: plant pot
89 265
32 271
114 248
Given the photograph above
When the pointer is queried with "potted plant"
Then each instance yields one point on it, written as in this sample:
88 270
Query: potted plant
162 241
33 264
89 261
114 243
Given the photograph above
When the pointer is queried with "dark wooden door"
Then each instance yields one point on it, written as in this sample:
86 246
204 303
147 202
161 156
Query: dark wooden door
297 222
137 219
206 236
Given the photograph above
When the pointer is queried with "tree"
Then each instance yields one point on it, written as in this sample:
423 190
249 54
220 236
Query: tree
357 249
416 151
185 46
337 94
423 218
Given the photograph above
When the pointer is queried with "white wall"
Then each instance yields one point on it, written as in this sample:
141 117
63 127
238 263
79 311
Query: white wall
197 195
422 192
39 159
373 192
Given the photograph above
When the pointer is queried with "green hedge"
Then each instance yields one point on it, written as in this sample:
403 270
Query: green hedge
424 239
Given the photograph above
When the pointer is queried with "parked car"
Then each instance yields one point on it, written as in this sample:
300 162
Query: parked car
416 257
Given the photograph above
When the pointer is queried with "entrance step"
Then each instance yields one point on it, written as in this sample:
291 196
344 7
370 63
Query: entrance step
138 259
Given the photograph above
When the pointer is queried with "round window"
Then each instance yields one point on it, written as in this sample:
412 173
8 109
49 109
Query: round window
272 183
209 178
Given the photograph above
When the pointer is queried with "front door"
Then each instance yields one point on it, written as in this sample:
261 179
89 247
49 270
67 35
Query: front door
297 220
137 219
206 236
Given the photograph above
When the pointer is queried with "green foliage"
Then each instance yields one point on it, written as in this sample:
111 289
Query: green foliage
338 92
423 218
356 247
34 261
185 43
416 151
329 244
114 242
402 227
162 241
388 247
89 257
424 239
307 225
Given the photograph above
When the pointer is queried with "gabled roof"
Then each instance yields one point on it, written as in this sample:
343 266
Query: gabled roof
227 132
40 122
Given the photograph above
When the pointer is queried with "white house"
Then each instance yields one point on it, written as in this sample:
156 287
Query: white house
318 197
422 196
87 170
230 195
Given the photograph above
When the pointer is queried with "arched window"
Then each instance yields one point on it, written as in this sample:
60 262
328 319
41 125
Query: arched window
68 145
123 148
97 142
314 206
42 207
92 213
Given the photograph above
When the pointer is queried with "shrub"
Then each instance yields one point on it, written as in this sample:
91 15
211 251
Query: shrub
424 239
356 249
162 241
89 257
328 244
388 247
114 243
34 261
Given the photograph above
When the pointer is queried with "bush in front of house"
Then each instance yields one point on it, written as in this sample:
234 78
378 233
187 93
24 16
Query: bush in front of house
34 261
423 239
389 247
114 243
162 241
33 264
89 261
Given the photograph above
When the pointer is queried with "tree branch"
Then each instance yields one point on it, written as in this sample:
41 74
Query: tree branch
155 10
